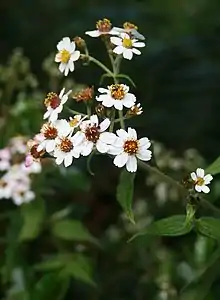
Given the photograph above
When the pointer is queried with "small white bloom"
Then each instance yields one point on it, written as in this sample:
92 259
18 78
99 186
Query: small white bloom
60 128
94 135
128 149
126 46
5 157
54 104
103 27
135 110
67 148
18 144
66 55
201 180
116 95
22 195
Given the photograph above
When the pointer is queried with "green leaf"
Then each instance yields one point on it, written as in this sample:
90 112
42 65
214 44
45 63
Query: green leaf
126 77
172 226
214 168
72 230
125 191
54 263
80 268
33 215
199 287
103 77
209 227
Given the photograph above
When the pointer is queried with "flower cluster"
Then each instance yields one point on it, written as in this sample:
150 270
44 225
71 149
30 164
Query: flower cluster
89 133
15 181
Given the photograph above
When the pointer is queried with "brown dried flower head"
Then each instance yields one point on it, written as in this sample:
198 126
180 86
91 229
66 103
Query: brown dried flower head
80 42
84 95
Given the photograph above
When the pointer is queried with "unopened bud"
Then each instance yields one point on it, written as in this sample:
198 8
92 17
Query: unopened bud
100 110
80 42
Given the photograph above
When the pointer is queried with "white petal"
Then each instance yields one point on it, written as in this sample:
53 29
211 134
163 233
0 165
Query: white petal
118 50
107 101
116 41
94 119
57 57
120 160
132 133
208 178
144 143
200 172
193 176
124 35
102 90
71 65
78 138
205 189
104 125
87 148
68 160
66 70
59 160
113 31
53 116
136 51
198 188
62 67
122 134
75 56
50 145
139 44
115 150
118 104
131 164
108 137
127 54
144 155
102 147
93 33
129 100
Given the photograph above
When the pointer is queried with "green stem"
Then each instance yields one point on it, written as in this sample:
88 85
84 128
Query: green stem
88 110
121 118
206 205
111 128
75 112
98 63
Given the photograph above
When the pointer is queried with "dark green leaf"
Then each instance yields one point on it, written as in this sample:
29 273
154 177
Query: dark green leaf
125 191
172 226
80 268
209 227
214 168
72 230
33 215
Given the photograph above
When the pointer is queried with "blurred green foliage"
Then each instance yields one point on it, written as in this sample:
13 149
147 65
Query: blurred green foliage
72 240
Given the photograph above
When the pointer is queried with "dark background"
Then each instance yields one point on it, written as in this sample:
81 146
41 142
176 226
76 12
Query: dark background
177 76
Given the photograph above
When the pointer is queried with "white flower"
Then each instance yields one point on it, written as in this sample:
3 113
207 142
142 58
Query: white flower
126 46
54 104
5 157
94 135
60 128
33 156
22 195
116 95
128 149
67 148
201 180
18 144
66 55
135 110
103 27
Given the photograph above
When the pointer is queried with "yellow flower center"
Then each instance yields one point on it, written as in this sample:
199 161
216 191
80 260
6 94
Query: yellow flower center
117 91
128 25
66 145
131 147
73 122
127 43
200 181
64 56
104 25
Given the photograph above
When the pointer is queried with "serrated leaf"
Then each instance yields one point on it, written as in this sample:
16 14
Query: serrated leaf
33 215
72 230
209 227
126 77
172 226
214 168
80 268
125 192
